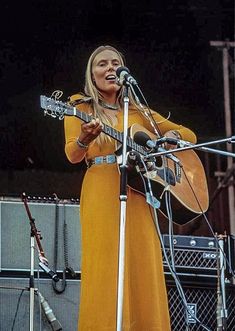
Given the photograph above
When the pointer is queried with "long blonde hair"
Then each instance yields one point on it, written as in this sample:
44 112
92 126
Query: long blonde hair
92 91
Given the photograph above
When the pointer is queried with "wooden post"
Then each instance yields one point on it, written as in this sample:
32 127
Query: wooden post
224 46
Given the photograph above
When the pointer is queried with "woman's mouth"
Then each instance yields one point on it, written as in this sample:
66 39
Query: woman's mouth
111 77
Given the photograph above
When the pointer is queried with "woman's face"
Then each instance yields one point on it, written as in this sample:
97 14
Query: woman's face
104 69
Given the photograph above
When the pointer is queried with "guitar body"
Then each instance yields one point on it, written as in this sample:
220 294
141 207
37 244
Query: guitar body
187 185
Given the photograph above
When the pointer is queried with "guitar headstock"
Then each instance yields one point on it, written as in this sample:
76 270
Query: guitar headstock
54 108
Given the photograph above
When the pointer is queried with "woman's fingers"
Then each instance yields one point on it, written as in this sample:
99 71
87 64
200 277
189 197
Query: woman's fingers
92 125
91 130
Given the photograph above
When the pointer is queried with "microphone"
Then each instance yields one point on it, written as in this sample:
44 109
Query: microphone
123 74
141 138
50 272
55 324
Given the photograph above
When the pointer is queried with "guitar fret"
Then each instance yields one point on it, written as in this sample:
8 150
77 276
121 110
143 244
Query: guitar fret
113 131
135 146
120 136
107 130
130 142
83 116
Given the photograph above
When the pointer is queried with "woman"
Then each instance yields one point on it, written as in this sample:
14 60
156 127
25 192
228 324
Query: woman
145 305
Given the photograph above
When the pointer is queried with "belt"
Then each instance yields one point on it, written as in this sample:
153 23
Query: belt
111 158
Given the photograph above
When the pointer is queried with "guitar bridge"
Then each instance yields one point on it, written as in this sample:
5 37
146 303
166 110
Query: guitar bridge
178 172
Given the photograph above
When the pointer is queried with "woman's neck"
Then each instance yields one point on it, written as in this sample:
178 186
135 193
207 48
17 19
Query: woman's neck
106 105
109 101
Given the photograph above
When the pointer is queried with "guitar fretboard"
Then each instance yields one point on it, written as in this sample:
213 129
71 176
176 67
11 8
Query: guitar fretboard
58 108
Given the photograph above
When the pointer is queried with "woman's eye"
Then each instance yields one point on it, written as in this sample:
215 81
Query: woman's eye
102 64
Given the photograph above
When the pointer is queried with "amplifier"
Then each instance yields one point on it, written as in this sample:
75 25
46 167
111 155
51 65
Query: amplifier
196 255
201 299
15 307
192 255
58 223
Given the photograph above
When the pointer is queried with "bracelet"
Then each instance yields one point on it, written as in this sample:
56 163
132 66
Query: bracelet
81 145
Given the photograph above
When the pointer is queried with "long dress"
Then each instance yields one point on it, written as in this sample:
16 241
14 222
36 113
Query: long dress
145 306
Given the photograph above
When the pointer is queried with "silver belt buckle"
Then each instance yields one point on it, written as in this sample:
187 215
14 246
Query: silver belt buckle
99 160
110 158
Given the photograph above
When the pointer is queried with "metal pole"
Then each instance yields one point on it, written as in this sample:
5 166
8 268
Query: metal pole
225 45
31 284
228 127
222 313
123 201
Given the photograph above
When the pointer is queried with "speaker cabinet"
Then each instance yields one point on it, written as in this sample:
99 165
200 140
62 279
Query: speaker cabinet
15 305
15 234
202 301
15 260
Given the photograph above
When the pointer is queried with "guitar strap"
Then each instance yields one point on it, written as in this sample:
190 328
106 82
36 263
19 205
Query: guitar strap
79 101
151 120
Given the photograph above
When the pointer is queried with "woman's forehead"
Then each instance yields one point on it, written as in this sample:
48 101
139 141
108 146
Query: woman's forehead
106 54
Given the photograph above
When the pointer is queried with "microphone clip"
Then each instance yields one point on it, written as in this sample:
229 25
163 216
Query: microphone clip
50 272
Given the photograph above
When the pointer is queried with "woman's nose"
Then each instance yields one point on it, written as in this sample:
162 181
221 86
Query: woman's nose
110 67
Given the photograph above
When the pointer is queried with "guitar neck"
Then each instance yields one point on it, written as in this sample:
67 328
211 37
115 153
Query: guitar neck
111 132
56 108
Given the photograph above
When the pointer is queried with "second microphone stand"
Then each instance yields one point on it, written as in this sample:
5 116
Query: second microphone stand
34 234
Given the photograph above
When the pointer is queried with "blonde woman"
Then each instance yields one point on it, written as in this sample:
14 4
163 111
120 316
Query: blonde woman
145 306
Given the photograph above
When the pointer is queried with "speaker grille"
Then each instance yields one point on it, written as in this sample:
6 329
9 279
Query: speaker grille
203 302
203 261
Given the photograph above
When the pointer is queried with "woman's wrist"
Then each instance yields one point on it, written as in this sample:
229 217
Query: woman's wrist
81 144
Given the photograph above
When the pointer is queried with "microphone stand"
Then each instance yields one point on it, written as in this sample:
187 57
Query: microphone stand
123 200
221 311
34 233
201 146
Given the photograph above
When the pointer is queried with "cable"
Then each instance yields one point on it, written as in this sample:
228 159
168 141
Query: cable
175 276
172 269
17 308
209 226
63 282
39 304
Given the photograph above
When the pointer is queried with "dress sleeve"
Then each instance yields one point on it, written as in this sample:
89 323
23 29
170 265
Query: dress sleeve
72 130
165 125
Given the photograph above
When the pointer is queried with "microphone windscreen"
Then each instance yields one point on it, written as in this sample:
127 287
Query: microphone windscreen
122 69
141 138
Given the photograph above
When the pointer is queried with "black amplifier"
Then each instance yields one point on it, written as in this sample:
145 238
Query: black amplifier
196 256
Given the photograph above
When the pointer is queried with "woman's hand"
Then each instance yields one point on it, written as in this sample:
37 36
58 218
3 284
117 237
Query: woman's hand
90 131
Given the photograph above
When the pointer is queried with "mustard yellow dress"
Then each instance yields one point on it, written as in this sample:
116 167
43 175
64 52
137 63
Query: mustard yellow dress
145 306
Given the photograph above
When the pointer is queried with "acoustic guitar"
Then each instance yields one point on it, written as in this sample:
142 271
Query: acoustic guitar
186 182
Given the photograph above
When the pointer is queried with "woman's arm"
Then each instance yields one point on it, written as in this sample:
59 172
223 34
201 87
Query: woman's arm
78 136
172 129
